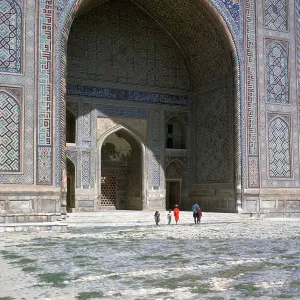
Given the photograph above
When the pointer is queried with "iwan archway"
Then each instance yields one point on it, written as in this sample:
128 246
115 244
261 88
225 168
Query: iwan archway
140 64
120 171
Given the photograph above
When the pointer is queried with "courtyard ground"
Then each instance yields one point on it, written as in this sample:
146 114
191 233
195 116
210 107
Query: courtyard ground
123 255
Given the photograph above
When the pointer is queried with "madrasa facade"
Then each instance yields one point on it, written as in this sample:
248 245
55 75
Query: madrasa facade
142 105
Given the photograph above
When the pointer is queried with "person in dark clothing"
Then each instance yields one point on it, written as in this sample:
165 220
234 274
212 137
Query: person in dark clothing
157 217
195 209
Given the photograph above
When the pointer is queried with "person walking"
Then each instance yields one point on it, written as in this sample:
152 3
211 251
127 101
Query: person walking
157 217
199 215
169 216
195 209
176 214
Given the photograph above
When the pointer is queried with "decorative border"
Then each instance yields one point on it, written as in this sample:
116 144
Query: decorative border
17 93
44 94
136 96
251 95
130 112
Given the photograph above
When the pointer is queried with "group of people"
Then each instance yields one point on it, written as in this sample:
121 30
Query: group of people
197 214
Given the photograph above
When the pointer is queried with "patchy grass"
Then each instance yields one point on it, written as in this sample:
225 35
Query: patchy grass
55 279
248 289
152 257
295 284
9 255
89 295
7 298
29 269
114 277
24 261
245 269
203 288
284 296
187 280
277 250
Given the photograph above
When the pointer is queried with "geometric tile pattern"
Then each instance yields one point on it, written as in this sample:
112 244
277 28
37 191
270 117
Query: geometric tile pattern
279 149
130 95
276 14
251 118
108 190
277 74
44 170
86 170
45 114
9 134
154 169
10 36
234 9
124 46
214 137
173 171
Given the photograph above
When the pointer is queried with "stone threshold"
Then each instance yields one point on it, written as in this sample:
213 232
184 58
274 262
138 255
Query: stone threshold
33 227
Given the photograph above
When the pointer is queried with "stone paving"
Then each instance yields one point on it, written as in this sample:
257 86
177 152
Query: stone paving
123 255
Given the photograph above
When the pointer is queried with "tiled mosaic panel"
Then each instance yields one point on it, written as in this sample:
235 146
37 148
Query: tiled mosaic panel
279 149
233 7
251 107
277 74
86 170
108 190
123 46
27 82
214 141
173 171
276 14
154 169
45 114
10 119
44 171
121 94
156 130
11 27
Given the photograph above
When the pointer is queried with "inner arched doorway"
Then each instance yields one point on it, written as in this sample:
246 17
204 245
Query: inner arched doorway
121 172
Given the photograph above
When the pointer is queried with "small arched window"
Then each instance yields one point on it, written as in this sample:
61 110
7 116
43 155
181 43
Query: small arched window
70 127
175 134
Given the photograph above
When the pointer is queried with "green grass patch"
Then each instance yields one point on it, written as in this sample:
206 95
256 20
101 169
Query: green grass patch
284 296
152 257
277 250
29 269
114 277
117 294
89 295
55 279
171 283
7 298
244 269
295 284
24 261
248 289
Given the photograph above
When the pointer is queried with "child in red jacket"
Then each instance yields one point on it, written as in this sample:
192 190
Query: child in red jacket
199 215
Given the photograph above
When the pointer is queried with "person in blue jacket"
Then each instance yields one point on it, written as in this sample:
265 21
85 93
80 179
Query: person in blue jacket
195 209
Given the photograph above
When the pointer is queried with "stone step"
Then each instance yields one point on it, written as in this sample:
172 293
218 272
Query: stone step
33 227
112 217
